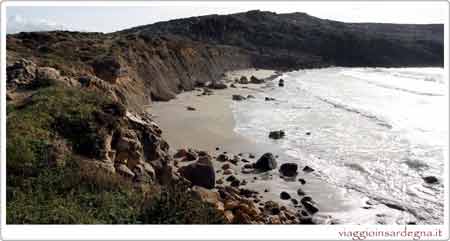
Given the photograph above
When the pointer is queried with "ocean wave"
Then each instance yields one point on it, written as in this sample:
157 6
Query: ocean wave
375 118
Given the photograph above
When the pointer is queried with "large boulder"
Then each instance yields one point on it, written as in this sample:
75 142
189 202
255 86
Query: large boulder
288 169
200 174
266 162
281 83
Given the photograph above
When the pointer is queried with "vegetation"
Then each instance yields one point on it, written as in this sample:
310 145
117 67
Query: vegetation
41 191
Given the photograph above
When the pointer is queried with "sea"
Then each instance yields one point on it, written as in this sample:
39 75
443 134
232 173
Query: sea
376 132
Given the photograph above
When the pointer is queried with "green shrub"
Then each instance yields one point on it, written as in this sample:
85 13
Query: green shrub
175 205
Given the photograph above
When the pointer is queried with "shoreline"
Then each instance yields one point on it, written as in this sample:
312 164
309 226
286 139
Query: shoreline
212 125
210 128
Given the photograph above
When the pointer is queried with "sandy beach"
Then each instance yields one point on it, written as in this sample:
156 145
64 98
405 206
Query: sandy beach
211 124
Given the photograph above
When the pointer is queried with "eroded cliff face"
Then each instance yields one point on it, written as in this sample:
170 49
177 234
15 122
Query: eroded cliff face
132 69
155 62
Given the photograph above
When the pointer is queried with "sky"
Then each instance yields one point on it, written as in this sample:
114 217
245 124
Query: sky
113 18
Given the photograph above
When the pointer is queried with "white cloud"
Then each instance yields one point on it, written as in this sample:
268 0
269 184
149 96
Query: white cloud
18 23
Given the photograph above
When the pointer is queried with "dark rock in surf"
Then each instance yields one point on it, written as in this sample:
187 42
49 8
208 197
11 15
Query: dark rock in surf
288 169
238 97
430 179
281 83
277 134
308 169
266 162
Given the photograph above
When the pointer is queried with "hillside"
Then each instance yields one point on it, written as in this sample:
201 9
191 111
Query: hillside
162 59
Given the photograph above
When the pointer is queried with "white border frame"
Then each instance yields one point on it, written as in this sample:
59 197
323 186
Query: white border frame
185 232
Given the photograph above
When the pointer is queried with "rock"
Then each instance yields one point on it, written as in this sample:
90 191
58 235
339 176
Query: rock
180 153
255 80
243 182
235 160
285 196
302 181
288 169
242 217
124 170
266 190
273 208
269 99
300 192
206 195
247 165
207 91
281 82
308 133
274 220
220 181
250 208
142 175
245 160
21 73
229 216
235 183
430 179
250 97
238 97
308 169
251 156
266 162
222 158
200 174
190 108
227 172
231 204
226 166
46 76
309 205
217 85
243 80
231 178
245 170
233 86
217 148
294 201
276 134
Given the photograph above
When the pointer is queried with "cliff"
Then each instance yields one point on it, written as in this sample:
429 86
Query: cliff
155 62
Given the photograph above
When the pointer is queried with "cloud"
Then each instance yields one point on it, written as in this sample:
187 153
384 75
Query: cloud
18 23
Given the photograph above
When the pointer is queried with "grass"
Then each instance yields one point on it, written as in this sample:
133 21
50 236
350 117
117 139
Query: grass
41 193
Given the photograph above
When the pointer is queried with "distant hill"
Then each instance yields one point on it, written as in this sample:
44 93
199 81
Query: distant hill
157 61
